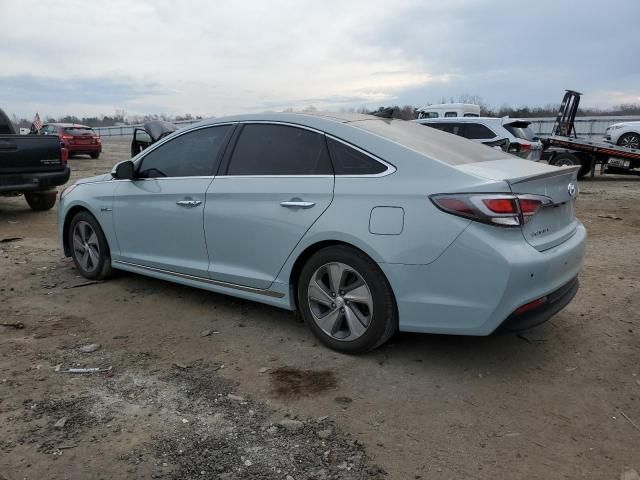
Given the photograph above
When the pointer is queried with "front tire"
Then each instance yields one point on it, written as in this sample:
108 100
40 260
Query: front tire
346 300
89 247
40 201
629 140
94 155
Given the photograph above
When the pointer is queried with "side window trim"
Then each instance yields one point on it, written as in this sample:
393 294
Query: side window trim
389 167
139 161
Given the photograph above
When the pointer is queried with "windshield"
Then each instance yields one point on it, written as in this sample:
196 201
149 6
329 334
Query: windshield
430 142
521 130
78 130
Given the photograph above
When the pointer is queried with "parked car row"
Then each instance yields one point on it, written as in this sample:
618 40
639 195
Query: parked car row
365 225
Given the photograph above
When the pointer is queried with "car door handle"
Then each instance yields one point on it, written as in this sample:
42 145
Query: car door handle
297 204
189 203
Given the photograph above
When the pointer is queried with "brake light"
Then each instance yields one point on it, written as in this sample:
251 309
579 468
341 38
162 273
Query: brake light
67 137
494 208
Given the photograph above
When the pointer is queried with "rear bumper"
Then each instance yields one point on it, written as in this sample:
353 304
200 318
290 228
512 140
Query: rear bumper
481 279
88 148
28 182
554 302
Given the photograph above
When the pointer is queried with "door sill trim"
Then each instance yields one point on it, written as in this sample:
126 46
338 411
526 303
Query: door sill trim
235 286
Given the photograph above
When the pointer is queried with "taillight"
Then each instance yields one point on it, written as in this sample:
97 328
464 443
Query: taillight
520 149
66 138
495 208
64 154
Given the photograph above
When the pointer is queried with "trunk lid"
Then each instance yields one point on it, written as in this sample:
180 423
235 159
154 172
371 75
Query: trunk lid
553 224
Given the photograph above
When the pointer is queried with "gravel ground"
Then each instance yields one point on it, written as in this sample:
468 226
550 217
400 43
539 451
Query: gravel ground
207 386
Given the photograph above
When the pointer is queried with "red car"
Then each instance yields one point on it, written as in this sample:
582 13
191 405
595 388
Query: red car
75 138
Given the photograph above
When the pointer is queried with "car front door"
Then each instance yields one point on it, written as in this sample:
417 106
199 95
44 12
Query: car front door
158 216
271 189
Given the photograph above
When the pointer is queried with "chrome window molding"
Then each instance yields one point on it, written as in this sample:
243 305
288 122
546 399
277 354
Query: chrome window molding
235 286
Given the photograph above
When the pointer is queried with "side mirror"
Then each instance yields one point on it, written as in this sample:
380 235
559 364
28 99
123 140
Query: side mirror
123 170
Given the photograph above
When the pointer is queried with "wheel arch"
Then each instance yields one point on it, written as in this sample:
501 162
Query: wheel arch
72 212
308 252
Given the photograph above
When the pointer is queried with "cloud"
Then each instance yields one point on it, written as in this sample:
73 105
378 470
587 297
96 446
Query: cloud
226 57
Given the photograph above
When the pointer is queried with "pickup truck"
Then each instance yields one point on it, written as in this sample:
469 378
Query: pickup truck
32 165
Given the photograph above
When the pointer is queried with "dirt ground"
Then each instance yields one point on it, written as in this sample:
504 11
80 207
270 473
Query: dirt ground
208 386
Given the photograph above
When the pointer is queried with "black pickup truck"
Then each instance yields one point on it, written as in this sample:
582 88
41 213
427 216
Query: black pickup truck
32 165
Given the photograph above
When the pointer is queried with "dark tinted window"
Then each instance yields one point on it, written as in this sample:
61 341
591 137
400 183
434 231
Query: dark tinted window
451 114
189 155
477 131
279 150
349 161
471 115
521 130
454 128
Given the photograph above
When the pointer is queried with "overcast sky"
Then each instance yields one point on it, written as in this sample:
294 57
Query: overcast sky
222 57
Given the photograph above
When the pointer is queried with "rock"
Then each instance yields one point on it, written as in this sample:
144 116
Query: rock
61 423
630 475
184 420
289 477
324 434
235 398
207 332
272 430
180 365
248 463
264 370
290 424
92 347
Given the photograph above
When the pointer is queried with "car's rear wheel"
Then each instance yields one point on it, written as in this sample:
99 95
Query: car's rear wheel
346 300
40 200
94 155
629 140
89 248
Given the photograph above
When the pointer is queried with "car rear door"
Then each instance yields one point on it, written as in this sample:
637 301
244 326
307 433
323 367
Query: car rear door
158 216
273 186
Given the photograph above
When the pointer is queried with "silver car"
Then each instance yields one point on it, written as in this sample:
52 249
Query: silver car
365 225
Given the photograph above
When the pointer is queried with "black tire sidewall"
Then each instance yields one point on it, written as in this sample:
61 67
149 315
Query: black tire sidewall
558 159
384 318
41 201
104 263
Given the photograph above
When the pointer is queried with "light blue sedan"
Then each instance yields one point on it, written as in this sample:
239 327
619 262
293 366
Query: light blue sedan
365 225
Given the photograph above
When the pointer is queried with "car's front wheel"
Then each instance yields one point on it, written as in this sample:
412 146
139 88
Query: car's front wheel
89 248
346 300
629 140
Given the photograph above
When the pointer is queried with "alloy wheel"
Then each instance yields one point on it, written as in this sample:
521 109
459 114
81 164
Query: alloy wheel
340 301
85 246
630 141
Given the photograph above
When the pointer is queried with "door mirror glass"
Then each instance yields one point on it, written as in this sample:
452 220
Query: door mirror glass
123 170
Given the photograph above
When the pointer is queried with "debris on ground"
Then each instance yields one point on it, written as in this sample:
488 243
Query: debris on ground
61 423
293 382
17 325
92 347
83 284
86 370
11 239
208 332
610 217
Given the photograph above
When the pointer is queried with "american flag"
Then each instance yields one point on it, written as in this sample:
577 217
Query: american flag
37 123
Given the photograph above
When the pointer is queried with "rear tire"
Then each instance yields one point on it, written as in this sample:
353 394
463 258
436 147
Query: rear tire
94 155
346 300
89 247
40 201
565 159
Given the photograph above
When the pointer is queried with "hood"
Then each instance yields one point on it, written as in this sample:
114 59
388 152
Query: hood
158 129
625 124
98 178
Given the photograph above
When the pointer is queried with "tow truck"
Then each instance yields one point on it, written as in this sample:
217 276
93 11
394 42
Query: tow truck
564 147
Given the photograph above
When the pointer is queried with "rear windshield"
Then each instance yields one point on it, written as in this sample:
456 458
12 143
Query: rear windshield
79 130
433 143
521 130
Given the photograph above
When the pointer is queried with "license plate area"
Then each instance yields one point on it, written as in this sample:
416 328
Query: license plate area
619 162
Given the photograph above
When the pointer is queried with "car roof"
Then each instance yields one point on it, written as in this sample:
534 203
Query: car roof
491 120
67 125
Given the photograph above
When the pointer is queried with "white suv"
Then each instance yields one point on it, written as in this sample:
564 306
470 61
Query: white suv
523 142
624 134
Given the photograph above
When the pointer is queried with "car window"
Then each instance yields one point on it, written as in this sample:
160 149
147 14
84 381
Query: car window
349 161
477 131
264 149
431 115
451 114
78 130
454 128
521 130
192 154
471 115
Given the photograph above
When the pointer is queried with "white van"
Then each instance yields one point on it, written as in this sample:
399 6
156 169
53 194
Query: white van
449 110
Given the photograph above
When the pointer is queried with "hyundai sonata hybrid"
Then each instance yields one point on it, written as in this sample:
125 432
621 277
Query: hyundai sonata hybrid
365 225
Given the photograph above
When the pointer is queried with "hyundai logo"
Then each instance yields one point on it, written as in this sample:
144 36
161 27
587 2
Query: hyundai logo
571 188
